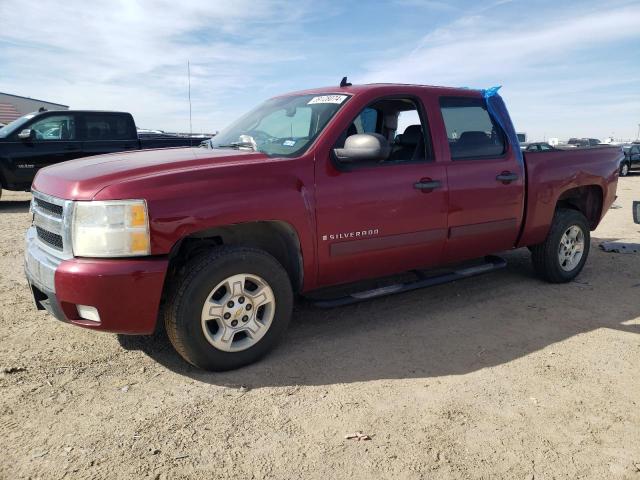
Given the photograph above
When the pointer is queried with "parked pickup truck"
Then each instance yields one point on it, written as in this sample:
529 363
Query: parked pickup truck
39 139
314 189
631 159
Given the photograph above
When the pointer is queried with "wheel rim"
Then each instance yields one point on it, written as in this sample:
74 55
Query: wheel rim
238 312
625 170
571 248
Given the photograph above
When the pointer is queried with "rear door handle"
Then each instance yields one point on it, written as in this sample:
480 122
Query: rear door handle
427 185
507 177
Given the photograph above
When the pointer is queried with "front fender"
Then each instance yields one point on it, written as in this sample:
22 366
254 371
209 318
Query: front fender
184 203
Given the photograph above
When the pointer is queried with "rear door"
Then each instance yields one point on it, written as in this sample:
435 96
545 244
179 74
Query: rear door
486 184
107 132
380 218
54 140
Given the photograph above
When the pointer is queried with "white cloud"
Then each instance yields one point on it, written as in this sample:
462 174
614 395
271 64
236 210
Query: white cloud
477 47
562 67
132 55
539 57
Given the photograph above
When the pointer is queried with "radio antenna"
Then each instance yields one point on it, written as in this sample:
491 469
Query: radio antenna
189 80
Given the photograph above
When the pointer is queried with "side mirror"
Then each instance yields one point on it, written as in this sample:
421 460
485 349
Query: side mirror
636 212
27 134
364 147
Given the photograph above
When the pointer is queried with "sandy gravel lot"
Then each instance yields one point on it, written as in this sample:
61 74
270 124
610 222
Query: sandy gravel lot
501 376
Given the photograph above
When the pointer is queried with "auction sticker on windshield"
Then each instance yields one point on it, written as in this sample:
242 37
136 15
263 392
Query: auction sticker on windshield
327 99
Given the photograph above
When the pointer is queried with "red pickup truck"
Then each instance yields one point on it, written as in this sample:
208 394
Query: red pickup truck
310 190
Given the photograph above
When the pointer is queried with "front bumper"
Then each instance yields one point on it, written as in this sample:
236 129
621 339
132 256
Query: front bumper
125 292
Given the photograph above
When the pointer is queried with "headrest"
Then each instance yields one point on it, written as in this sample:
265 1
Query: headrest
391 121
474 138
411 135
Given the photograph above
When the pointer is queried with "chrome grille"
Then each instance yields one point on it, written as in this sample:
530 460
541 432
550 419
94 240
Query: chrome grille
48 207
52 239
49 217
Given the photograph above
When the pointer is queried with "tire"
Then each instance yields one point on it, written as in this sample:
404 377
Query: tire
196 295
625 167
547 257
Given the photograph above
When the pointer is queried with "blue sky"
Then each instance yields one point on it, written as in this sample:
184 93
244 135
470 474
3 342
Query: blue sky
567 68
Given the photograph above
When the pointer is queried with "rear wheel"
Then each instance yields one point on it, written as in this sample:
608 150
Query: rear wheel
625 167
562 255
229 308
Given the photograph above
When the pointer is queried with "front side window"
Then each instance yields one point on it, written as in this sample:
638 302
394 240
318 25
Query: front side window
283 126
398 121
471 132
55 127
366 121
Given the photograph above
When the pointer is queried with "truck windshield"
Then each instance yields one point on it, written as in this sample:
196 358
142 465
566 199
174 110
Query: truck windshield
12 127
283 126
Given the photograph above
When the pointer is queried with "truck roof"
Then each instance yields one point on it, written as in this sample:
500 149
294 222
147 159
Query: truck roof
383 87
81 111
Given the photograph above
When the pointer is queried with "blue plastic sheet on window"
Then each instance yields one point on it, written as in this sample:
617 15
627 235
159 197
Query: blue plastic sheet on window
498 110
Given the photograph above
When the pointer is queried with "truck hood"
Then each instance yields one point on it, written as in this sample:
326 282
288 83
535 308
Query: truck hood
83 178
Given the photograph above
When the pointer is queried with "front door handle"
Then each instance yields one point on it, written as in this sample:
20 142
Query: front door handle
507 177
427 185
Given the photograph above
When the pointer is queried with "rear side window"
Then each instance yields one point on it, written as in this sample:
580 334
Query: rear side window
471 131
108 127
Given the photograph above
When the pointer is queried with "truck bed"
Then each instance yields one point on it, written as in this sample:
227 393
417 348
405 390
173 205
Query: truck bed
552 172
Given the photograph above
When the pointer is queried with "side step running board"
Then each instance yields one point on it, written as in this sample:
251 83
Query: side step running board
491 263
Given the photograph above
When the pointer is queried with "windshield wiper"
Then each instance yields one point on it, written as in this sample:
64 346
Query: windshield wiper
237 145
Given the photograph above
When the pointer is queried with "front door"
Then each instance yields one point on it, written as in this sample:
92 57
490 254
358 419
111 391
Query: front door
384 217
486 182
54 140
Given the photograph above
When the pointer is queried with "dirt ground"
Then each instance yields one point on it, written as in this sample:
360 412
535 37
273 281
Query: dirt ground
500 376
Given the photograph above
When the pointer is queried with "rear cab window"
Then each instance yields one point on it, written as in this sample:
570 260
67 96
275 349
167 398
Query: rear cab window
108 126
471 132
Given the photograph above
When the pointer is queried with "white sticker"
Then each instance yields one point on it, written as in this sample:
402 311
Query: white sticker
327 99
289 143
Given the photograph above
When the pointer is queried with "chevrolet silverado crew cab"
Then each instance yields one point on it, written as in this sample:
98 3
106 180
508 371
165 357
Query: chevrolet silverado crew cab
44 138
315 189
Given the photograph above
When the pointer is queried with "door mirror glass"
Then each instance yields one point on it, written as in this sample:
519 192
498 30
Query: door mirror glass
27 134
364 147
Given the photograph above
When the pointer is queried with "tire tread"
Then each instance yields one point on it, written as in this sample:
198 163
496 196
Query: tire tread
544 256
179 285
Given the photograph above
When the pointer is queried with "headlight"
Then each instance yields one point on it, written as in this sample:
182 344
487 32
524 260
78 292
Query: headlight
113 228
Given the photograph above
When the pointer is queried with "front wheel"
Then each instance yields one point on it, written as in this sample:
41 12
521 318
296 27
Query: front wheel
562 255
229 308
625 167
